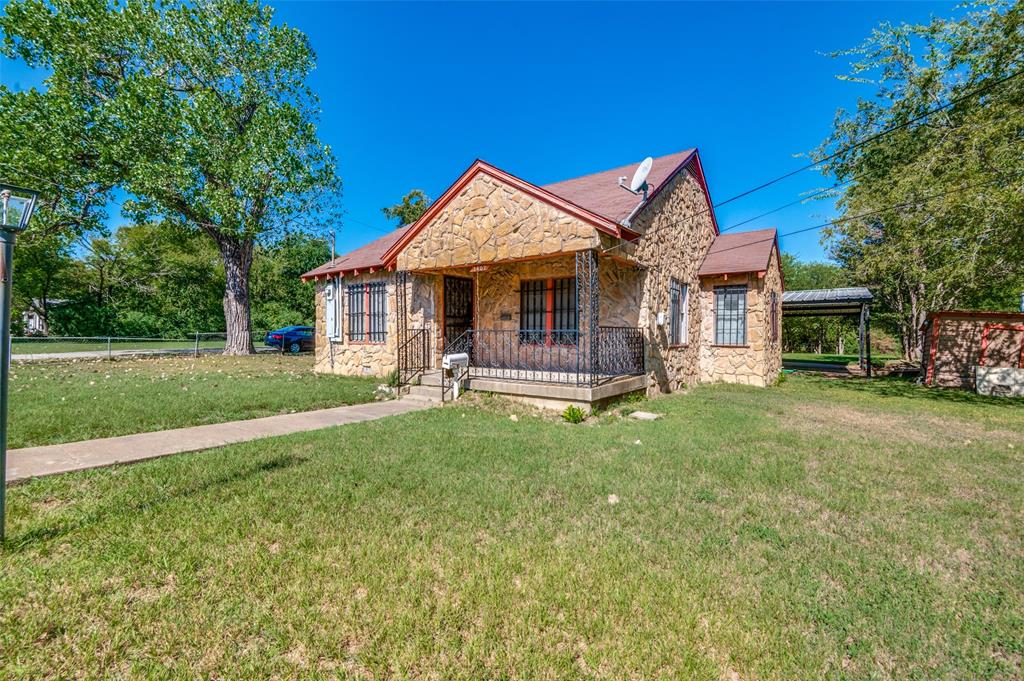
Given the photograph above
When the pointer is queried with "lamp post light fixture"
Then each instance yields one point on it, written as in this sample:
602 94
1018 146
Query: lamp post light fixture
16 206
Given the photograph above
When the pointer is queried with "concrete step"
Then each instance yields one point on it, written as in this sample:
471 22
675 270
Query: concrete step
431 378
428 391
422 399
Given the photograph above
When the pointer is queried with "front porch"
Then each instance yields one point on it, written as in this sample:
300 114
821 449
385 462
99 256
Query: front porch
530 329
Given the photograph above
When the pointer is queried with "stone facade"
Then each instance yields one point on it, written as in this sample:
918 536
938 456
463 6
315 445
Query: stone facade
760 360
491 222
498 237
339 355
679 215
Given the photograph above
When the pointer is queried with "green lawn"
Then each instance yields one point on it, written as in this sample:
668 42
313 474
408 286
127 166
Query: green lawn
876 360
43 345
819 529
53 402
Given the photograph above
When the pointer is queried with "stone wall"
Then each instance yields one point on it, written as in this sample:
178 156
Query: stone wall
492 222
496 306
760 360
497 290
340 356
679 230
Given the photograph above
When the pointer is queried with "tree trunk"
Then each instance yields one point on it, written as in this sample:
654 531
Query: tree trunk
237 256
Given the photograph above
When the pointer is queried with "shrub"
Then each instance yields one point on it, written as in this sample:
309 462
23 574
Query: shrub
392 379
574 414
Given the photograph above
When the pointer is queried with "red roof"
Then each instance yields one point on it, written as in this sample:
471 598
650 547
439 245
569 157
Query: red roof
600 193
739 253
369 256
596 199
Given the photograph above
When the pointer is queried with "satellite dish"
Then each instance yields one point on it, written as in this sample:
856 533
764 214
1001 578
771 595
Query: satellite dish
640 176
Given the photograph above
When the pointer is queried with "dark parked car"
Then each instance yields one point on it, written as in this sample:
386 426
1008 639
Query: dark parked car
291 338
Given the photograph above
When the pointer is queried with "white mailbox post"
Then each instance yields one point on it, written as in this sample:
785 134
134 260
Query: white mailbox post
456 363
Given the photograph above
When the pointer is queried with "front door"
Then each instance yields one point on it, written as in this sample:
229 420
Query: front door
458 308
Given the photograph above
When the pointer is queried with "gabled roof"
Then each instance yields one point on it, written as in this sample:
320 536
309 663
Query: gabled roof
595 199
739 253
600 222
600 193
370 256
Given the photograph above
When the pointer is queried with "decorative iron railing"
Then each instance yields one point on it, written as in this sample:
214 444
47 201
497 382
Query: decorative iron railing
620 351
414 356
555 356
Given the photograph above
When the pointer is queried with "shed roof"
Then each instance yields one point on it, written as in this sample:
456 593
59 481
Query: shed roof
739 253
819 296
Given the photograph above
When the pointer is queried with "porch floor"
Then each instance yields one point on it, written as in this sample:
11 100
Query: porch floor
542 392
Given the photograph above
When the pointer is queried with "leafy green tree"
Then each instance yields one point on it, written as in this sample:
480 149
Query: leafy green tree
409 210
43 265
281 298
199 111
956 235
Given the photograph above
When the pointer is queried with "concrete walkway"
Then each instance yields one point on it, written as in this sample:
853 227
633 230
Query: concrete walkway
75 456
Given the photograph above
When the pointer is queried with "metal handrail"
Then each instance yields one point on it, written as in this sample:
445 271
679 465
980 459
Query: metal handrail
409 365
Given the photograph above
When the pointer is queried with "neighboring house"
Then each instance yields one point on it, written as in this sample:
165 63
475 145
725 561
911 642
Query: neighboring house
958 341
571 292
32 319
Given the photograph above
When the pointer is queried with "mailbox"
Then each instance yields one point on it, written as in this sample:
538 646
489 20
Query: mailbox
457 359
450 363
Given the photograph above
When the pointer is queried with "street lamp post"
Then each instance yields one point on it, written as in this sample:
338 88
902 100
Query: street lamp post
16 206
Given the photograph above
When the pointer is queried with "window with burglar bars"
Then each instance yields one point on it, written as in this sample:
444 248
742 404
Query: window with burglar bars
357 312
368 312
564 325
547 311
730 315
678 312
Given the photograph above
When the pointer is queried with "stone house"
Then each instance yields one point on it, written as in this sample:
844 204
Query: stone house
572 292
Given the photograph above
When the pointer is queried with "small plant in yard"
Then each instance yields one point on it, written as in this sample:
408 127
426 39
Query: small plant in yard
574 414
392 379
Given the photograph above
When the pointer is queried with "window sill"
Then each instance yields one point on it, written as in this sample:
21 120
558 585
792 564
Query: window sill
679 346
723 345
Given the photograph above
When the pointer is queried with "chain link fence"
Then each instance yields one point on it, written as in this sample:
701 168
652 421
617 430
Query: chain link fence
69 347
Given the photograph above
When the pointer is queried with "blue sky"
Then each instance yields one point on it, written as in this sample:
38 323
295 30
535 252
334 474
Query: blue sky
413 93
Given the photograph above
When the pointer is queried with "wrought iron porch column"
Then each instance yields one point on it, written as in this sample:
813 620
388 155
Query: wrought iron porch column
588 299
402 324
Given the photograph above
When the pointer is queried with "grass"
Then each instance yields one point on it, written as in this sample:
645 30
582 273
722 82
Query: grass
52 402
43 345
819 529
876 360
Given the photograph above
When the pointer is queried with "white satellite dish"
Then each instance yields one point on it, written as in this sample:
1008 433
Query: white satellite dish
640 176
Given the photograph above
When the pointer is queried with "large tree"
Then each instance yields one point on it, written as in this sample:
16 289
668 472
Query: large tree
200 112
956 235
409 209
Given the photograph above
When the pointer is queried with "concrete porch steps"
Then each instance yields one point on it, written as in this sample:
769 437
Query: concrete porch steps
427 394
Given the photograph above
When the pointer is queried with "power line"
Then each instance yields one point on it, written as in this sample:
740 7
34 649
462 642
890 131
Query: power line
875 136
817 162
788 205
871 213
